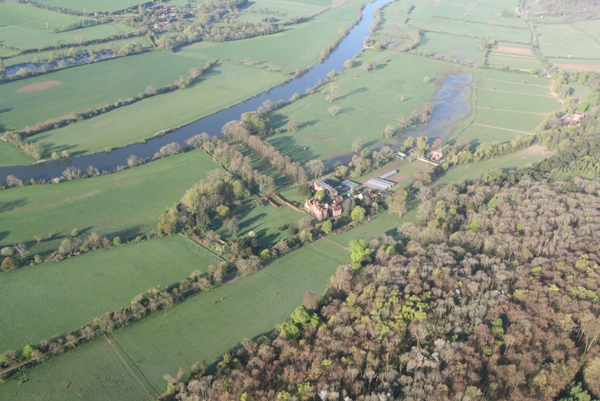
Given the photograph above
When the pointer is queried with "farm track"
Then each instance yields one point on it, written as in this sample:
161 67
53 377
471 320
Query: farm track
516 93
503 129
512 111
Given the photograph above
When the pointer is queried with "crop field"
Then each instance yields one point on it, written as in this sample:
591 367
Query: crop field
576 64
55 298
125 204
518 61
9 155
224 85
281 51
95 369
565 40
92 6
45 55
73 89
15 13
17 36
363 114
522 158
457 48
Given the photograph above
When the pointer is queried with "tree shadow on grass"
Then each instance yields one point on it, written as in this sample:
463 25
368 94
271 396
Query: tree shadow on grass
126 234
354 92
287 145
7 206
4 234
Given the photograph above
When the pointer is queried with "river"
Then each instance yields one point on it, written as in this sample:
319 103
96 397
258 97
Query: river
348 48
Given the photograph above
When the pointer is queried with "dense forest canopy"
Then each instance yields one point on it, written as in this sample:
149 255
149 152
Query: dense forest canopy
578 9
492 294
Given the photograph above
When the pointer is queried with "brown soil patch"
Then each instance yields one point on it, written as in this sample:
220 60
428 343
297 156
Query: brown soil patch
38 87
420 165
578 67
535 150
398 178
513 50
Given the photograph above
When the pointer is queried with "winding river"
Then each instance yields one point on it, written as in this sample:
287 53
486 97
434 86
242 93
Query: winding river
348 48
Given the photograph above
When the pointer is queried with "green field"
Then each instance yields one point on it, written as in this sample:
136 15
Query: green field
281 9
521 62
368 100
45 55
15 13
9 155
565 40
265 221
94 371
124 204
509 105
112 80
224 85
197 329
457 48
522 158
18 36
91 6
298 46
55 298
591 28
475 19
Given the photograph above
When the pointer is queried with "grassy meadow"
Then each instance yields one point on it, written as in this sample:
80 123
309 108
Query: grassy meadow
74 90
89 285
368 101
224 85
22 14
197 329
10 156
481 19
298 46
457 48
251 306
281 9
94 371
124 204
566 40
22 37
92 6
265 221
509 105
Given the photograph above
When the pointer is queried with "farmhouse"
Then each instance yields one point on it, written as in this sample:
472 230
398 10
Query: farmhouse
323 210
322 185
439 153
571 119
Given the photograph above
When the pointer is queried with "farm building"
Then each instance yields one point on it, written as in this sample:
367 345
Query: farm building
350 184
401 155
322 185
389 174
571 119
379 183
